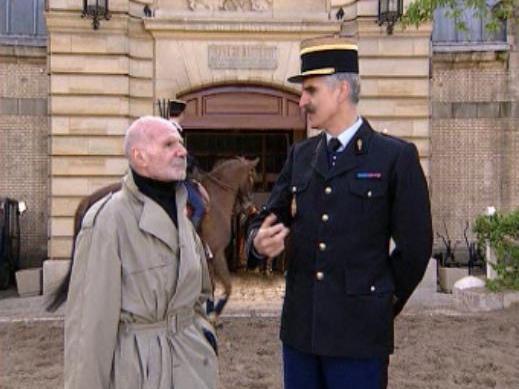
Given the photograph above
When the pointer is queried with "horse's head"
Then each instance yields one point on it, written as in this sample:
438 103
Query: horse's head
246 184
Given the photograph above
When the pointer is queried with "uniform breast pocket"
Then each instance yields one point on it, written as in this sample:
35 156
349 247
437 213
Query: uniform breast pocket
371 195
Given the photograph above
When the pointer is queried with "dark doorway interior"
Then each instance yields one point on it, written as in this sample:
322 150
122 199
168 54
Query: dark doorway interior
269 145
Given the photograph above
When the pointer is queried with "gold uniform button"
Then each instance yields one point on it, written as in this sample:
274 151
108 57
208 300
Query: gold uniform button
319 275
369 194
322 246
328 190
325 217
372 288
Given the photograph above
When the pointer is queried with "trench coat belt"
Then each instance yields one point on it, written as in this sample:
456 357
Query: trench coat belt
175 321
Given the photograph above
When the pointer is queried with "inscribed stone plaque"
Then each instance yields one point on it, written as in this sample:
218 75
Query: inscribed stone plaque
242 57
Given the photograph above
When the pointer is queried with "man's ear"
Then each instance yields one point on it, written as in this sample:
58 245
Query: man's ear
345 90
139 157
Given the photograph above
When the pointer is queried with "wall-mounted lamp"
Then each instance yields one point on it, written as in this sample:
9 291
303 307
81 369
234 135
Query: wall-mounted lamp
389 11
96 9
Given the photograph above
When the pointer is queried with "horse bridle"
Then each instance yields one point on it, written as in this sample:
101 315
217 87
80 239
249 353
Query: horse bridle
244 198
219 182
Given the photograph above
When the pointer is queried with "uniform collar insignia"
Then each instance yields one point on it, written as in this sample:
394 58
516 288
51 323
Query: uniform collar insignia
358 145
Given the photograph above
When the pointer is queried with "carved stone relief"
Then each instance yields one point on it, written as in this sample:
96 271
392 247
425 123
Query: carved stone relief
231 5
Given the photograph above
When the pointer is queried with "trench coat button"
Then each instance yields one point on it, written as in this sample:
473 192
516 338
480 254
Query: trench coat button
372 288
325 217
369 194
319 275
322 246
328 190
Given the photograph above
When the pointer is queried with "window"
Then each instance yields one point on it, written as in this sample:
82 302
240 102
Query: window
22 22
446 34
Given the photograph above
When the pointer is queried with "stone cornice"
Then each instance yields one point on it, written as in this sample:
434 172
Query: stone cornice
162 26
70 21
368 26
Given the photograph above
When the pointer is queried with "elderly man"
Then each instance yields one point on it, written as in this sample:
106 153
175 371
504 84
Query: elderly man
344 194
134 317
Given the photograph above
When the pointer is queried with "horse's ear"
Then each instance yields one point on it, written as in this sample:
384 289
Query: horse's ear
254 162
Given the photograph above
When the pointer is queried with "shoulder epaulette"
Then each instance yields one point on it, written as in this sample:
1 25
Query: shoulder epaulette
386 134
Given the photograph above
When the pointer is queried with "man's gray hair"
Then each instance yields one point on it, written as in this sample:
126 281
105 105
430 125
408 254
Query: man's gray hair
353 81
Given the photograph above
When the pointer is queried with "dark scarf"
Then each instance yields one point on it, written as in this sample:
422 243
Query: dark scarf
163 193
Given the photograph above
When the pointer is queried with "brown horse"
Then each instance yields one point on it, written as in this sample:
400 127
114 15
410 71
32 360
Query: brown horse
229 185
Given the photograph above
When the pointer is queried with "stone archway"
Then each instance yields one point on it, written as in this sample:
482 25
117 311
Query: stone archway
242 106
253 120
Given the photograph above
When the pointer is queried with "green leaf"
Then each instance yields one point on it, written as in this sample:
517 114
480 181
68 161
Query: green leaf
422 11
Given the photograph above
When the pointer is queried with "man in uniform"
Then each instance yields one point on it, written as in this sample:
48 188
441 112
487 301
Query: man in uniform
134 316
344 194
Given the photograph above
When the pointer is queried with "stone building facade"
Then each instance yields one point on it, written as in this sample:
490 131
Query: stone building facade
24 135
475 133
65 103
102 79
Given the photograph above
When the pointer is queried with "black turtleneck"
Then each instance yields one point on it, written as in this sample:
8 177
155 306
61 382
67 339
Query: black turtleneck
163 193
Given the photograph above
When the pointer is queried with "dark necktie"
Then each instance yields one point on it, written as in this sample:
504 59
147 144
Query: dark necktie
333 145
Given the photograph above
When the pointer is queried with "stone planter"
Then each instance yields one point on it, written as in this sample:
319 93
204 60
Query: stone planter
54 271
29 282
449 275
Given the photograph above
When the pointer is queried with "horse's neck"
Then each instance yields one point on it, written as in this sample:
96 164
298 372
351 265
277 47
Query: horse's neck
223 194
225 201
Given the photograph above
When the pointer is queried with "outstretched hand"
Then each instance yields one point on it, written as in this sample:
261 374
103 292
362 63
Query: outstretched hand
270 238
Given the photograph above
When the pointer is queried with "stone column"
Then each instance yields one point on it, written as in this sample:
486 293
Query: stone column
100 80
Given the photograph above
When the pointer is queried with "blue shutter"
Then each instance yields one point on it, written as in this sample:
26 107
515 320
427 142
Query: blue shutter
22 22
445 32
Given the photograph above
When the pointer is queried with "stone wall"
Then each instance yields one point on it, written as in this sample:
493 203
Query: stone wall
474 138
24 131
100 81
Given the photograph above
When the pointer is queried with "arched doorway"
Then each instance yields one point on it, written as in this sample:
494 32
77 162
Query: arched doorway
251 120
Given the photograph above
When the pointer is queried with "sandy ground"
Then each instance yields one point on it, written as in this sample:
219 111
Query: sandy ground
434 350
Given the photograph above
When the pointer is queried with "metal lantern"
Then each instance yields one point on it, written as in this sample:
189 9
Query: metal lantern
96 9
389 11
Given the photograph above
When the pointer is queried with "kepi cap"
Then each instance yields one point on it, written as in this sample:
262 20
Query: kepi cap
327 55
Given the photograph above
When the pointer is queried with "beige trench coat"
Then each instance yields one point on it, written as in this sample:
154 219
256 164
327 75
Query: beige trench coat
134 317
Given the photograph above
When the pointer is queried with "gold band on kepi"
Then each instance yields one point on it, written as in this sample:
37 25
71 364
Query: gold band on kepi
325 56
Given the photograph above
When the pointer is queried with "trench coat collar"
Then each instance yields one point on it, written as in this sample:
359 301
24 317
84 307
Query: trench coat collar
355 152
153 219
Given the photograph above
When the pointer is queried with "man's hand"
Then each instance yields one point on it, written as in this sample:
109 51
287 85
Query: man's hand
270 238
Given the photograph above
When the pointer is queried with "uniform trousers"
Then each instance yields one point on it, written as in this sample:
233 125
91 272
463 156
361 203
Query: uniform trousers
310 371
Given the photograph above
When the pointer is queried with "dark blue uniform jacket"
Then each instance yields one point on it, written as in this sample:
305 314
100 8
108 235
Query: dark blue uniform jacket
343 287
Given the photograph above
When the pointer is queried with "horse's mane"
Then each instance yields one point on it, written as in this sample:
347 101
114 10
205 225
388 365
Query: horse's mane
221 165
